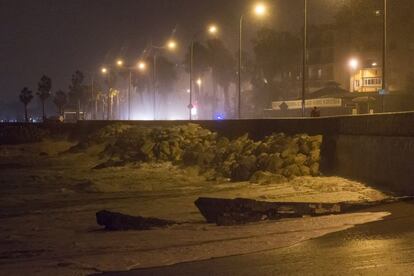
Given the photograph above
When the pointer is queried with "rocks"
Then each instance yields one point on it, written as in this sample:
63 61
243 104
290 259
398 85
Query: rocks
292 171
275 164
239 159
314 169
120 222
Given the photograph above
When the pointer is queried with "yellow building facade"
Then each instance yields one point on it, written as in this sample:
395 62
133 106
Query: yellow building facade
366 80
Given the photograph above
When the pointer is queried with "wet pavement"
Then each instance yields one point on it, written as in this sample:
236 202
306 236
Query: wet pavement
383 247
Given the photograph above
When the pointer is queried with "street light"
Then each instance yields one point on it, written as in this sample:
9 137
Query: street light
212 30
142 66
120 63
259 10
104 70
304 55
171 45
353 63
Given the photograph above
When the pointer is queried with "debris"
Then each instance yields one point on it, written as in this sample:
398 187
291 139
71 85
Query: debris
227 212
120 222
241 211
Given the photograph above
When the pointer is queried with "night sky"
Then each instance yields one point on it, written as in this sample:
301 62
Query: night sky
56 37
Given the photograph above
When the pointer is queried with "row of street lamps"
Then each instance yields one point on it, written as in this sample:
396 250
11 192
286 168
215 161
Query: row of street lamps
141 66
260 10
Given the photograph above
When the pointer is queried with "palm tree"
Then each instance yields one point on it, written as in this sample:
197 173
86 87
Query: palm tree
166 77
223 68
43 91
60 100
26 97
77 90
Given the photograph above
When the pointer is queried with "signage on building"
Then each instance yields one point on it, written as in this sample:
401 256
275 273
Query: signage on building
320 103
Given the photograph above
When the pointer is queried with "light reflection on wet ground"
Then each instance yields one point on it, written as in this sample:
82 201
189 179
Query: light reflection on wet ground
383 247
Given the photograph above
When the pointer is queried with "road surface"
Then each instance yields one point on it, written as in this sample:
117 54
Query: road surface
380 248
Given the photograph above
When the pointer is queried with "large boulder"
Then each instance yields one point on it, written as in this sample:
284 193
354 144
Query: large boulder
244 168
292 171
275 163
314 169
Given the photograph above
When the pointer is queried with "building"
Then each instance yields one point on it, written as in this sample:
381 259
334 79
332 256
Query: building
366 80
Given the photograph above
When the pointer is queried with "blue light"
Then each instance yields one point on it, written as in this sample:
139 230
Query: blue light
219 117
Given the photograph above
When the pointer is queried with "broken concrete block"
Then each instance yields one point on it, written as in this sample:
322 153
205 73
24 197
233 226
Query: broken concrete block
120 222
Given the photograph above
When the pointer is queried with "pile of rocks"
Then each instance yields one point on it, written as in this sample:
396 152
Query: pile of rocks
275 158
159 144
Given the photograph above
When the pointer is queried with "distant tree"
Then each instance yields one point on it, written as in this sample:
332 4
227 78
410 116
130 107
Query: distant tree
166 77
277 59
201 60
223 65
77 91
26 97
358 23
43 91
60 100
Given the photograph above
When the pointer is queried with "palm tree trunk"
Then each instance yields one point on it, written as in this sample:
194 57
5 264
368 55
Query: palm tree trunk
95 114
227 100
214 99
78 110
43 110
26 117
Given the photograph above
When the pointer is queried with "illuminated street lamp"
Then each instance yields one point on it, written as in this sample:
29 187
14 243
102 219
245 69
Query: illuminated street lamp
142 66
171 45
199 82
259 10
212 30
104 70
353 63
120 63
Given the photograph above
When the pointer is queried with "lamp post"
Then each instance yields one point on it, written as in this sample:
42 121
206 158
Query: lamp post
120 63
105 73
141 66
259 10
171 45
212 30
305 56
384 55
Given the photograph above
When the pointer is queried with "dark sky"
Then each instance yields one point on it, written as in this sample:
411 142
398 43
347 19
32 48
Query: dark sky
56 37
